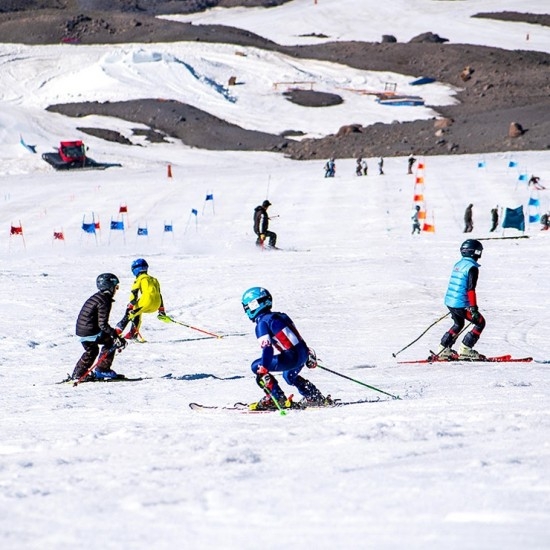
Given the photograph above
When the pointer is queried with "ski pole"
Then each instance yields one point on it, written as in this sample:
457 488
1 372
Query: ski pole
268 392
416 339
167 319
98 362
358 382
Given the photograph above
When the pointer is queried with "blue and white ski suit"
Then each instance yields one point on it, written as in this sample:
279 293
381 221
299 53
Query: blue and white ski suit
283 349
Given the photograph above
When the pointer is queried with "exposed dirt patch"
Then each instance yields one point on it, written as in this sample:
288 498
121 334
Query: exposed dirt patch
501 86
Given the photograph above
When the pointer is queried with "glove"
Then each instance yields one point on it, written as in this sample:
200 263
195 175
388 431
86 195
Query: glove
120 343
311 362
262 237
474 312
162 316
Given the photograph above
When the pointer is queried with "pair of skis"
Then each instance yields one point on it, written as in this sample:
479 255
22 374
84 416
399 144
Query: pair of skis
493 359
245 408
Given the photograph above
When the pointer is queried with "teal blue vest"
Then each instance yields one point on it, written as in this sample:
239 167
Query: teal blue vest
457 292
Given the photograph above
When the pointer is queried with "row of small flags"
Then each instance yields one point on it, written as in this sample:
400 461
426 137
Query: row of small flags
522 176
93 226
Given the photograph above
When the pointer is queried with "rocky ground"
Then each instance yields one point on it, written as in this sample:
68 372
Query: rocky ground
502 87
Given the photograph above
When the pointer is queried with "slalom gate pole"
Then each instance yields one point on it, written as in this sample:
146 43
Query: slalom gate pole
358 382
416 339
168 319
98 362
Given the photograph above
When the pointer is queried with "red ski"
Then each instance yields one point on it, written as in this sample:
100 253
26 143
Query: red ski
495 359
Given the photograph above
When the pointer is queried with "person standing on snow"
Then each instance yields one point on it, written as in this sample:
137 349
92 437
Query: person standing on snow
92 325
330 168
461 300
468 219
416 221
410 164
261 226
365 167
358 167
145 297
381 166
494 218
283 350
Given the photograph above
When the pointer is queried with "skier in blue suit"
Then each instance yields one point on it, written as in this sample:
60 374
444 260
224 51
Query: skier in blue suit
283 350
461 300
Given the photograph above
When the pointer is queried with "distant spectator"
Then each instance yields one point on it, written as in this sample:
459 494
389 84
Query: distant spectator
358 167
381 166
365 167
330 168
545 222
494 218
468 219
410 163
416 221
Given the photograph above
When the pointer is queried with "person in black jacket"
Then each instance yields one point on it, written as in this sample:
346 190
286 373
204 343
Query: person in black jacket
261 225
92 325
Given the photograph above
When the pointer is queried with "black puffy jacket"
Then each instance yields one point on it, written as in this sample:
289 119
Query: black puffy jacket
94 315
261 220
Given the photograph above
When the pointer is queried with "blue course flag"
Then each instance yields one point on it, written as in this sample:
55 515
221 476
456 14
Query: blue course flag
514 218
88 227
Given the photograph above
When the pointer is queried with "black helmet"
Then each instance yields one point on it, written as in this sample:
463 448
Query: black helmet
471 249
266 204
107 282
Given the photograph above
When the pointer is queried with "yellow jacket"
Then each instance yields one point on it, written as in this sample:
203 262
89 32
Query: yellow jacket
145 295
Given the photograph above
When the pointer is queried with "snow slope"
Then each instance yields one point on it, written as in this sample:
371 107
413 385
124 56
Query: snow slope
461 461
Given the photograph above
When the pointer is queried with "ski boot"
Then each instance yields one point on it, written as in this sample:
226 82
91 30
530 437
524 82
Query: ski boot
444 354
312 397
104 374
266 403
466 353
273 392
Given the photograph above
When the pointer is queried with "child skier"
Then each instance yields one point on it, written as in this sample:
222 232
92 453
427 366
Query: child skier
415 219
461 301
283 350
92 325
145 297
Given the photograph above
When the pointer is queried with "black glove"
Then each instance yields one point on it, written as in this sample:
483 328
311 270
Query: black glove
311 362
120 343
474 312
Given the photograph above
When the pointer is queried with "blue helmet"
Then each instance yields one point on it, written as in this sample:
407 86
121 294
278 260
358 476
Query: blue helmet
139 266
256 300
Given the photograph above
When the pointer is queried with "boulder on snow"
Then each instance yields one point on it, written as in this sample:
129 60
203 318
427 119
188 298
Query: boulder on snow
429 38
349 129
515 130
